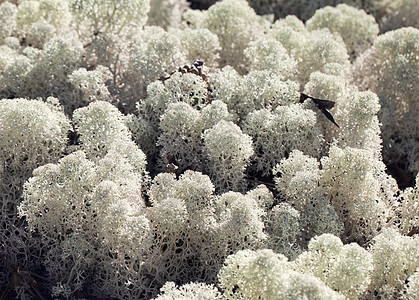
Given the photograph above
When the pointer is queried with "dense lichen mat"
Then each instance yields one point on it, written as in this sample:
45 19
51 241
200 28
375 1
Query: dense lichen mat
160 149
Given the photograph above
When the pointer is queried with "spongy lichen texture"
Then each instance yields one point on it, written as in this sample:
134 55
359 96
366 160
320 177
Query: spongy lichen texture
152 150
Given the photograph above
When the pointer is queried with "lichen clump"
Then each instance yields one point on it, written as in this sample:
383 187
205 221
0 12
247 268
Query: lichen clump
167 149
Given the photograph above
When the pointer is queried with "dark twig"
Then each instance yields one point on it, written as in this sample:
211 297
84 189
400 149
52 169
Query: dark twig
321 104
20 277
